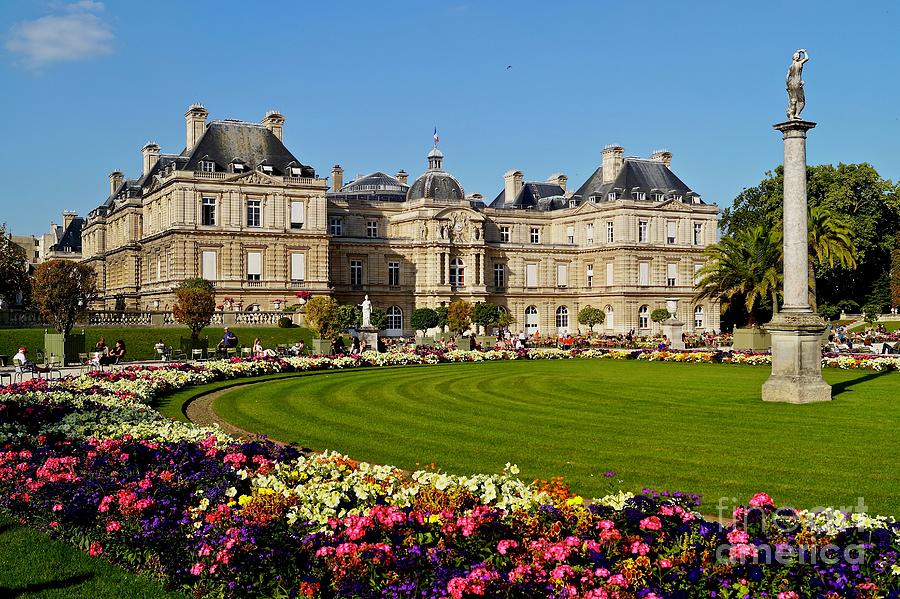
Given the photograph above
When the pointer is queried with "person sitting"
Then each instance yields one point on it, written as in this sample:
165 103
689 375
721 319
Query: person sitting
338 347
229 341
298 349
354 346
471 342
114 356
101 347
23 364
162 350
260 352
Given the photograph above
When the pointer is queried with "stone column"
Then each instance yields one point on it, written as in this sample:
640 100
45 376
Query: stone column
796 331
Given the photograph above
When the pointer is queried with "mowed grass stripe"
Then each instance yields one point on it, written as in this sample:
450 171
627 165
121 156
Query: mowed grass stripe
691 427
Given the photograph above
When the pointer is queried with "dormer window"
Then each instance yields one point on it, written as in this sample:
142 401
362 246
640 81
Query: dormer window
658 197
296 171
639 195
677 198
612 196
573 203
207 166
695 200
265 168
237 167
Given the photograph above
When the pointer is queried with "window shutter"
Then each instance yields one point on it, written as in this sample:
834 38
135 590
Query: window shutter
298 267
531 275
644 273
562 275
672 270
670 228
254 263
209 266
570 231
609 274
298 212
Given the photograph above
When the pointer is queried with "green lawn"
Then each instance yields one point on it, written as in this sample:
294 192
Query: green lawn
689 427
891 326
35 566
140 340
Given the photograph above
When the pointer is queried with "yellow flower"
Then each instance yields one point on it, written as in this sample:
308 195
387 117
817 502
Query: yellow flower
577 500
244 500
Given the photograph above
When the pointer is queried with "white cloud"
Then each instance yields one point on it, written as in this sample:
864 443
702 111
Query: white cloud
62 37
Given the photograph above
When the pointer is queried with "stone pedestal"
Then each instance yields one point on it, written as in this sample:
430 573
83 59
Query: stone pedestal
370 336
673 328
796 359
796 331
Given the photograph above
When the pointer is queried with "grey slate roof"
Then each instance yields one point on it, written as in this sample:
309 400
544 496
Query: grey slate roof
436 184
374 186
648 176
71 237
540 195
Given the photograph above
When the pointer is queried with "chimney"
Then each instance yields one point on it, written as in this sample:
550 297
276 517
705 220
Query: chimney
559 179
68 217
403 177
150 152
195 123
274 122
613 160
513 181
663 156
337 178
115 180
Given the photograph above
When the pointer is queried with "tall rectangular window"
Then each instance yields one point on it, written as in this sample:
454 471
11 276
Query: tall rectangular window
394 274
208 211
298 214
589 277
589 233
504 235
609 274
298 266
642 231
531 275
643 273
499 275
610 236
562 275
336 226
698 233
158 268
254 207
570 234
535 235
356 273
254 266
209 265
671 227
671 274
697 267
372 228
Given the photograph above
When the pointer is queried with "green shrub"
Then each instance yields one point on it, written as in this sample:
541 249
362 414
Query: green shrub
285 323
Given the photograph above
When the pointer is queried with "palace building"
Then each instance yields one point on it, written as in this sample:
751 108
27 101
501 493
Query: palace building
238 208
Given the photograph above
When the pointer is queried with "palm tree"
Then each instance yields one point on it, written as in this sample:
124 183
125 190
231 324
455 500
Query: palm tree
742 268
830 242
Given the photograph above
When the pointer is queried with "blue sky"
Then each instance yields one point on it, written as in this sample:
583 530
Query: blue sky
86 84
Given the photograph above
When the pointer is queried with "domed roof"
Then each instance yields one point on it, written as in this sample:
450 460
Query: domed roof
377 181
436 183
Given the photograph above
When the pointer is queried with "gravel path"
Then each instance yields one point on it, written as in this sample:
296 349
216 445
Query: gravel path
200 411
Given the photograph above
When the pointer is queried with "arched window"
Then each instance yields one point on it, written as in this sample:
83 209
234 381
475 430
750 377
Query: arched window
531 319
644 317
394 321
698 317
610 317
562 319
457 272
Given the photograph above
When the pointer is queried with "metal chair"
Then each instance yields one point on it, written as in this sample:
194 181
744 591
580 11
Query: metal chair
54 364
21 370
6 374
197 354
246 352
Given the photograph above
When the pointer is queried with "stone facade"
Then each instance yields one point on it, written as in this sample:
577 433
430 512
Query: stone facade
627 239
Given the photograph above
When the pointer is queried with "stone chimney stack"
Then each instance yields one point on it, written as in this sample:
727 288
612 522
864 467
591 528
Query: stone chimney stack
274 122
150 152
613 161
663 156
115 179
403 177
513 181
195 123
68 217
337 178
560 179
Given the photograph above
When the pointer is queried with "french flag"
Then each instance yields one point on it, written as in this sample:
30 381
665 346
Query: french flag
436 137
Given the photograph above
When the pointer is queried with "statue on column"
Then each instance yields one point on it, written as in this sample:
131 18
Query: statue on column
366 313
796 97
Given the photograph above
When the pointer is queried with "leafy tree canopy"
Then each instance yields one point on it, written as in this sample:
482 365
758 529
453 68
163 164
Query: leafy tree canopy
590 316
195 304
459 316
423 319
63 290
13 268
659 315
486 314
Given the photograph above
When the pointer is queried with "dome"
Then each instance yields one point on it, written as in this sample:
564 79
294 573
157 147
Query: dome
436 183
377 181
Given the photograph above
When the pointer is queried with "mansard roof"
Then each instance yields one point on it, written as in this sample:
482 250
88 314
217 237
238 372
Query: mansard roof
253 144
540 195
70 241
637 175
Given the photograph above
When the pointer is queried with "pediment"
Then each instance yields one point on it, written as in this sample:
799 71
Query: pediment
672 206
451 211
253 178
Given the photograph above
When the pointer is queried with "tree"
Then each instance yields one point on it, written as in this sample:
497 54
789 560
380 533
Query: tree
63 290
423 319
13 268
459 316
348 317
378 318
195 304
506 319
895 273
870 206
443 314
659 315
486 314
742 269
590 316
322 317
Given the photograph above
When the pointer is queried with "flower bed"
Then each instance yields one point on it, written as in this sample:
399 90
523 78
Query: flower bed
87 460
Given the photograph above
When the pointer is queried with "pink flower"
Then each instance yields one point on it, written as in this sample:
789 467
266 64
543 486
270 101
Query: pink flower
456 587
761 500
640 548
788 595
742 551
664 563
738 536
95 550
113 526
197 569
504 546
651 523
618 580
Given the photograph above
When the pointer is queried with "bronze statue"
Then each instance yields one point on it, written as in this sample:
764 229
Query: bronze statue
796 97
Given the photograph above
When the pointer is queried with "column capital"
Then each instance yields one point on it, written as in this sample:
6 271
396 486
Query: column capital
794 128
